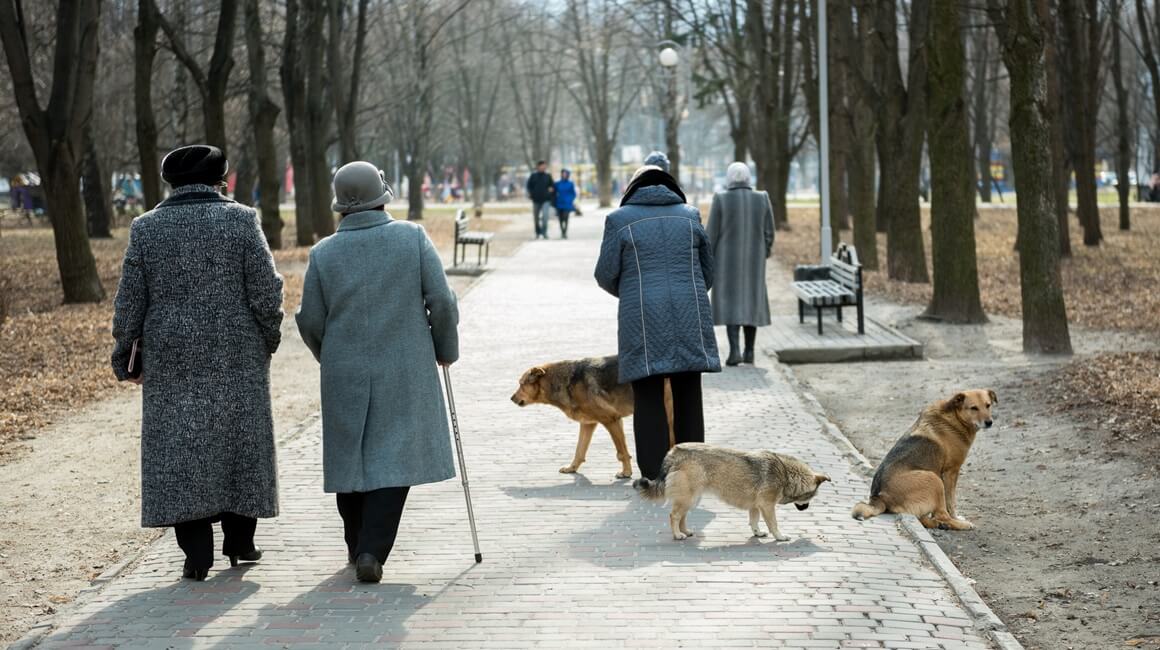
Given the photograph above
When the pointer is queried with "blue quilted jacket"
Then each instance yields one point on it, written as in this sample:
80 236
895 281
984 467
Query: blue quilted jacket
656 259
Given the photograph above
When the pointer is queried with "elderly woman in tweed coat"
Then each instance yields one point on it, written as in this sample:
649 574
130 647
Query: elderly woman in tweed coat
378 315
199 292
741 233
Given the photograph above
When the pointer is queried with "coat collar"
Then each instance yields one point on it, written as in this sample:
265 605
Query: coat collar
365 219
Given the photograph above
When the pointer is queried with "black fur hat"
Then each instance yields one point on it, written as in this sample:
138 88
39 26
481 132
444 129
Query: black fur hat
196 163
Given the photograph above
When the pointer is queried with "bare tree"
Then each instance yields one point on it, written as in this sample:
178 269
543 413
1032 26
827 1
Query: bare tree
477 82
1124 131
97 197
212 82
144 53
1022 41
346 79
294 92
534 80
56 133
955 295
724 70
604 87
1149 27
901 111
1083 27
264 115
1060 163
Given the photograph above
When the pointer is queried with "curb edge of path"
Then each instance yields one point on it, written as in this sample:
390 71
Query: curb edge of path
983 618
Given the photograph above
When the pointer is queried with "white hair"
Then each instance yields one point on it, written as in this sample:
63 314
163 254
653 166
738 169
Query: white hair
737 175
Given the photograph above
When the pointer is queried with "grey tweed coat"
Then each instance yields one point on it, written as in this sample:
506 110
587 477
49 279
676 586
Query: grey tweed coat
198 286
741 233
377 313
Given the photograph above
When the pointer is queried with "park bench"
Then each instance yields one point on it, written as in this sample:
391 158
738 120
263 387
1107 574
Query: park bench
463 238
830 287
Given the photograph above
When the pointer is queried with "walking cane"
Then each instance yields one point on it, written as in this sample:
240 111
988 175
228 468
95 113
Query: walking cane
462 467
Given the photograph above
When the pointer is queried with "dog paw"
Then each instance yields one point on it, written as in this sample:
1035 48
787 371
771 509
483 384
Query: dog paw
759 533
679 536
781 538
571 469
620 474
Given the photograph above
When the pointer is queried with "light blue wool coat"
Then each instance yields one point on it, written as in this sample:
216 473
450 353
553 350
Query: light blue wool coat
656 258
377 313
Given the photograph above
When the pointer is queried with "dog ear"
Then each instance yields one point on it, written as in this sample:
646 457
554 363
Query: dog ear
994 397
956 401
536 373
820 478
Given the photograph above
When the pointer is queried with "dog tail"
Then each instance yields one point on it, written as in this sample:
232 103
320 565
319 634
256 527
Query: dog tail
867 510
651 489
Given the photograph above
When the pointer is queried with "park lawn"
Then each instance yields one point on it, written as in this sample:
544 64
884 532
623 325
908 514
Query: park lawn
55 357
1098 284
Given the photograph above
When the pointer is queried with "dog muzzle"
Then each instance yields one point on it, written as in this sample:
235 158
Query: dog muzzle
801 506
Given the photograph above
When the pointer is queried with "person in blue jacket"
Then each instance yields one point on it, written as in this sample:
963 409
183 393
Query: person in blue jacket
656 258
565 200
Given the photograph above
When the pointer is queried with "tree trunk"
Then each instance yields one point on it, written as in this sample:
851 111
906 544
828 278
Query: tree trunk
1124 130
982 121
97 197
294 92
56 133
264 115
955 295
862 199
1081 68
603 151
144 52
900 137
416 170
1021 36
317 122
245 174
1060 166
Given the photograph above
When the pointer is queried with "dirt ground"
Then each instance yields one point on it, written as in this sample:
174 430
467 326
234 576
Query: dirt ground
70 490
1066 507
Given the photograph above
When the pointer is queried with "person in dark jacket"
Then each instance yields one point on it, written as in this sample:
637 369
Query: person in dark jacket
384 428
199 291
540 191
741 234
565 200
655 257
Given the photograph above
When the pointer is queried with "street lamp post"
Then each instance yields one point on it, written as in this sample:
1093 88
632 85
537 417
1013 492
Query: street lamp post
824 132
669 60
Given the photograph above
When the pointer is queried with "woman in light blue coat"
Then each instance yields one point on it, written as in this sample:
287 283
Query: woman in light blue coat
656 258
379 316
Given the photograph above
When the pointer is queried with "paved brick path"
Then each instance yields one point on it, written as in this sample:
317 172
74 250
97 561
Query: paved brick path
569 561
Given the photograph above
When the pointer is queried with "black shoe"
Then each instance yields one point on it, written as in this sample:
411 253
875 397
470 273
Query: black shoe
732 332
193 573
734 358
252 556
748 357
368 568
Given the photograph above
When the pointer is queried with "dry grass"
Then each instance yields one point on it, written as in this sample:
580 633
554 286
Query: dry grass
1096 281
54 357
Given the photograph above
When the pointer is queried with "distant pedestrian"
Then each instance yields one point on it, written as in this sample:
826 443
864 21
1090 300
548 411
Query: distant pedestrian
741 234
655 257
540 190
200 296
565 200
1153 194
384 427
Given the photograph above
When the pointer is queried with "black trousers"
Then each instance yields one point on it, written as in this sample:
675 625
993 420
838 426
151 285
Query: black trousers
196 537
370 520
650 426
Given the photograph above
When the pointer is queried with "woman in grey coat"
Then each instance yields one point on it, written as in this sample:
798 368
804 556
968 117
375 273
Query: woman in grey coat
378 315
655 258
741 234
200 294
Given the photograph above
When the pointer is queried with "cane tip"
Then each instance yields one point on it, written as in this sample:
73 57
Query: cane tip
478 558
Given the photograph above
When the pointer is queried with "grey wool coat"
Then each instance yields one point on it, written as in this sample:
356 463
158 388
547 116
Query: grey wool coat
198 287
655 258
378 314
741 233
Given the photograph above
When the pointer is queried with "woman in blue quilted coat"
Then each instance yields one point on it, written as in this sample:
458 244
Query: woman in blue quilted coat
656 258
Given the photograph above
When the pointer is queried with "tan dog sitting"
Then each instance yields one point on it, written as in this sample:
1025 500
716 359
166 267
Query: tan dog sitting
587 391
920 474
